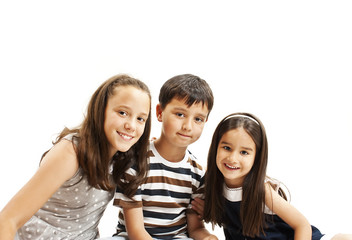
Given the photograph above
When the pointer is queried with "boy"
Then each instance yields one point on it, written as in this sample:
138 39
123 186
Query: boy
160 207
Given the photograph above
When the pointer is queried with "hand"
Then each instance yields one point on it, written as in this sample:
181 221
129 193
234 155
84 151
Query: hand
198 206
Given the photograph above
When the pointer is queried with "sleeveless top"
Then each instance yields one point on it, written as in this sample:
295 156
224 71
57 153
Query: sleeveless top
72 212
275 228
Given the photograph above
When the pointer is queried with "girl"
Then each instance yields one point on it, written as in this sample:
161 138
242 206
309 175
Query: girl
250 205
67 196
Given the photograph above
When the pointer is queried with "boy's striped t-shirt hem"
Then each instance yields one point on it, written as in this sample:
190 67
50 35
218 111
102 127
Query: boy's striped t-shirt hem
166 194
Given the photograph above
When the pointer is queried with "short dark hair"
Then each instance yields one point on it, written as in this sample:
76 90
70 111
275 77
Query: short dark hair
186 87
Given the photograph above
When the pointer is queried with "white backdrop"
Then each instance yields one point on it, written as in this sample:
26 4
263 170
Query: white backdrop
288 62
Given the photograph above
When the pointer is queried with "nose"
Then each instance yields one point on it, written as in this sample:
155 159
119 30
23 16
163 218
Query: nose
233 157
130 125
187 124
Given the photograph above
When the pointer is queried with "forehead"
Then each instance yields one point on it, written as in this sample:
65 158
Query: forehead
238 135
182 104
129 95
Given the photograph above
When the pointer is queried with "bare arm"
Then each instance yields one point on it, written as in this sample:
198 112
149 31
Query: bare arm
196 228
135 224
59 164
288 213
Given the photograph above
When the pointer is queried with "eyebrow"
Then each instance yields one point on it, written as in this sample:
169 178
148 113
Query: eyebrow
226 143
180 109
185 110
129 109
202 115
246 148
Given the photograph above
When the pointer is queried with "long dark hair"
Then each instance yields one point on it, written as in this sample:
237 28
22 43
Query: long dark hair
253 196
92 146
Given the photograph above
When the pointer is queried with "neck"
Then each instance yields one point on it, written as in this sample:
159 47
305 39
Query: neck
168 151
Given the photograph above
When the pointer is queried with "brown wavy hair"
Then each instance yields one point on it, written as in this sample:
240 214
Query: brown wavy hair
92 146
253 190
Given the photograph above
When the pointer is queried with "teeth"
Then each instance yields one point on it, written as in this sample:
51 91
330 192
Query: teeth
230 166
125 136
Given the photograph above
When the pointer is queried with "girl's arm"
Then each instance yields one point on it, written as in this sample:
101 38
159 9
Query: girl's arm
288 213
59 164
135 224
196 228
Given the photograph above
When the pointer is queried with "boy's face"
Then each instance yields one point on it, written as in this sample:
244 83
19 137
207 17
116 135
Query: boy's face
182 125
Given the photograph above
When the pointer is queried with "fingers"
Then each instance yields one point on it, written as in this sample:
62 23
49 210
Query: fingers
198 206
200 202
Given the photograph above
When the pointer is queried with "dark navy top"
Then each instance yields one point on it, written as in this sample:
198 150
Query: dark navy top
275 228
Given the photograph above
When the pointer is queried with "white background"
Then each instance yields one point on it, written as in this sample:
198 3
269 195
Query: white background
288 62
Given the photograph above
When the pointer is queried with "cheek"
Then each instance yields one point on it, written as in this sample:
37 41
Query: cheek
106 125
169 126
199 130
141 130
249 164
218 162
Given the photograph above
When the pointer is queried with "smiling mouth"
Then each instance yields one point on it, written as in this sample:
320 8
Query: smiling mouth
231 167
124 136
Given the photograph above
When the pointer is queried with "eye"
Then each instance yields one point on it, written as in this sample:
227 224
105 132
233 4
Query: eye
244 153
179 114
227 148
122 113
199 120
141 119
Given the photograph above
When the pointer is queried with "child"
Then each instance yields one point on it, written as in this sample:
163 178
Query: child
67 196
238 194
159 208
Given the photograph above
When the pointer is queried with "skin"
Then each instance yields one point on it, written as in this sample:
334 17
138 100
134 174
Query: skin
235 158
125 117
237 149
182 125
124 112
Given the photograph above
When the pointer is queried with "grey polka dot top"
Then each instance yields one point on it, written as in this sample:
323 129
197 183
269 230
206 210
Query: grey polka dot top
73 212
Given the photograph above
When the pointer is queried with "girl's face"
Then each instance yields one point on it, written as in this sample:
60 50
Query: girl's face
125 116
235 156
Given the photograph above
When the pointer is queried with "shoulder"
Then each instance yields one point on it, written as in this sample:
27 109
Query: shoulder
279 187
193 161
61 158
274 200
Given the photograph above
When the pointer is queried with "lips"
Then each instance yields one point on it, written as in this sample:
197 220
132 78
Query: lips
231 167
125 136
184 135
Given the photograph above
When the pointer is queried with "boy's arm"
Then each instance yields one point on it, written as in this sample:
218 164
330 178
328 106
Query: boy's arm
288 213
196 228
135 224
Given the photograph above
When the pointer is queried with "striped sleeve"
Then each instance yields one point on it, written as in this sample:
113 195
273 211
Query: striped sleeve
121 200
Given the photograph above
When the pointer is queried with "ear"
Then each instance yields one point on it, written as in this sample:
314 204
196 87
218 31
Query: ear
159 112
